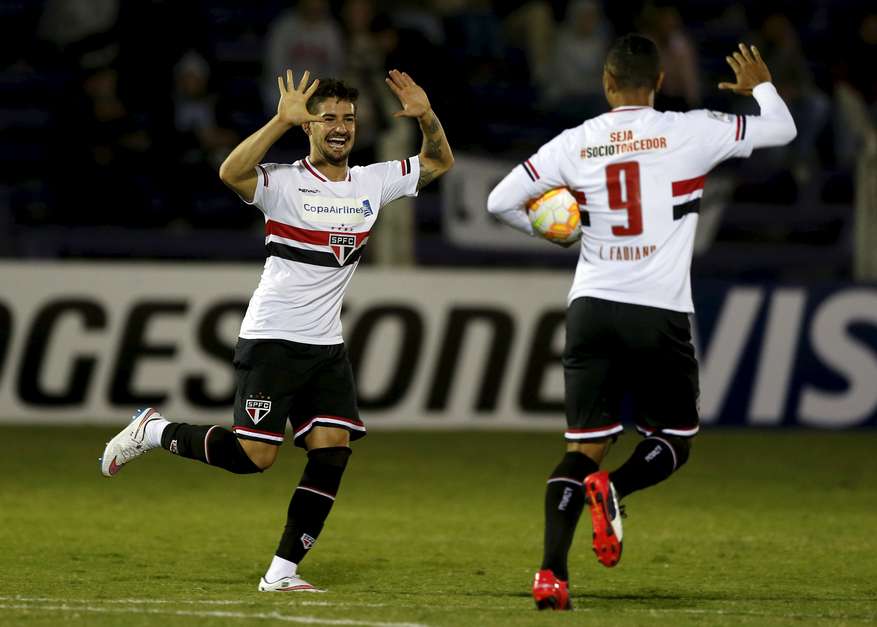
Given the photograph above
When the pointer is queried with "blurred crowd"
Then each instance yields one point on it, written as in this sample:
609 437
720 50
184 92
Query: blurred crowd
119 113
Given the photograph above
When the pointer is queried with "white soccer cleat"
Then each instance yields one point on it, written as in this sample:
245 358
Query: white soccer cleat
287 584
129 443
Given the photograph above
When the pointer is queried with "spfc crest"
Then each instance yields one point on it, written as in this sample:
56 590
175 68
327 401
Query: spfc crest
343 245
257 409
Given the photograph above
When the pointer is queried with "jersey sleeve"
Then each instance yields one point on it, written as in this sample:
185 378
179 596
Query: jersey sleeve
530 179
270 178
718 136
399 178
545 169
721 136
775 125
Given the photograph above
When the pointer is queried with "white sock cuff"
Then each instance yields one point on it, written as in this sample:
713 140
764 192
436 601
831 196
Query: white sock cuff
152 432
279 569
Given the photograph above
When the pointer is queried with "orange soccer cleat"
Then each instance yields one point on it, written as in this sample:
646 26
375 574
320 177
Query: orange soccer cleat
605 517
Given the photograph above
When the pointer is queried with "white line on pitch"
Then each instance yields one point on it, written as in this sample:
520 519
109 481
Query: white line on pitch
129 601
186 602
307 620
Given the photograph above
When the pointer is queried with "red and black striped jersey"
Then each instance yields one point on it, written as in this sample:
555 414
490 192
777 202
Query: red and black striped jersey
315 232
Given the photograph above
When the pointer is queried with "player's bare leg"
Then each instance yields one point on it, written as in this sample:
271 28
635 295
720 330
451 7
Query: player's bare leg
262 454
328 452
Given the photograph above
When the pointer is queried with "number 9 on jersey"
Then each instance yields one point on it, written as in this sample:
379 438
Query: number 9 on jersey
555 216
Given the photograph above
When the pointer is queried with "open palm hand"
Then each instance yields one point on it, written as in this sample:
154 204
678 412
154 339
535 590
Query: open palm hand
292 108
749 70
411 95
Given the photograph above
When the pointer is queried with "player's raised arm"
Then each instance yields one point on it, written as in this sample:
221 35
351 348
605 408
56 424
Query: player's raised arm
435 153
775 126
238 171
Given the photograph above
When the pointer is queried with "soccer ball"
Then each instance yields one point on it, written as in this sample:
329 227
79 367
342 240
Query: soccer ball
555 216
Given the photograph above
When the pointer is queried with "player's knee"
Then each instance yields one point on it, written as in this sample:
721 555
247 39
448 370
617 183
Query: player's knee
327 437
262 455
594 449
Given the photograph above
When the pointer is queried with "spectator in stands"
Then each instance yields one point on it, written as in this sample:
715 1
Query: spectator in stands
780 47
306 36
855 92
203 140
82 30
854 65
374 42
421 16
681 90
103 142
202 143
530 23
574 84
474 33
369 37
864 52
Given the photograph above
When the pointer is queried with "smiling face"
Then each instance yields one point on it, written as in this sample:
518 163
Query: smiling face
333 138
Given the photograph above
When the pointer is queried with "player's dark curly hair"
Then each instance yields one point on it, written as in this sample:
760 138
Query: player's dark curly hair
633 62
332 88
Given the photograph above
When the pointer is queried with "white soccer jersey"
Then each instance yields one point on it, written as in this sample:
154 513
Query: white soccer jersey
315 231
638 175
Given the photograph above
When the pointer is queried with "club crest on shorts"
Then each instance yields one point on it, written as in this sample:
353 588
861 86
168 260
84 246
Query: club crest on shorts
257 408
307 541
343 245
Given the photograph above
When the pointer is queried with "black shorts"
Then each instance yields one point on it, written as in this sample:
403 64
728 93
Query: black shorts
309 385
617 349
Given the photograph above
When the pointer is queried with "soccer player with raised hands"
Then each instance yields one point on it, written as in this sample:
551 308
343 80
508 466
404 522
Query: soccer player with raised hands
638 175
290 361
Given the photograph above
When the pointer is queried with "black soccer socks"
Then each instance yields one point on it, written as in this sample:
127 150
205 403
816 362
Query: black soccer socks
212 445
312 501
653 460
564 501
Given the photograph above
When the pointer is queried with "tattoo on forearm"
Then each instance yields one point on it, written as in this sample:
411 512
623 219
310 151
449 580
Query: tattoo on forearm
427 176
433 138
432 148
433 126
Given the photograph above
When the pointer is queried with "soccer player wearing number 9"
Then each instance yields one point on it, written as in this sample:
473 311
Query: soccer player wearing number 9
638 175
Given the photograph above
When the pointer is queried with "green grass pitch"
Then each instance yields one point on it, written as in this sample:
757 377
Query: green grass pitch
438 528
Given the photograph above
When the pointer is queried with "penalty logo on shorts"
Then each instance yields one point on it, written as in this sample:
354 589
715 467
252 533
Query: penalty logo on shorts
257 408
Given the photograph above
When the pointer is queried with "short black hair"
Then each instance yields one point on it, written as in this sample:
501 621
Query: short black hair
633 62
332 88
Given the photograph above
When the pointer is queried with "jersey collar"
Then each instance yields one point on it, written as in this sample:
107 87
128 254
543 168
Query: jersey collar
627 108
306 162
